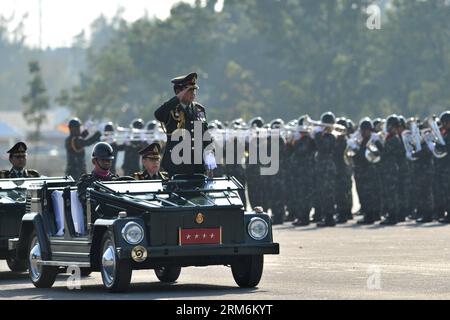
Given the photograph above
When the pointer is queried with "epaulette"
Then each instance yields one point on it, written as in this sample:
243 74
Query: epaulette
33 173
164 175
199 107
138 176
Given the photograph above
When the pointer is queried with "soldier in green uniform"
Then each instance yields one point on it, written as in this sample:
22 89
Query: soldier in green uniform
18 159
182 112
151 161
325 172
391 154
75 144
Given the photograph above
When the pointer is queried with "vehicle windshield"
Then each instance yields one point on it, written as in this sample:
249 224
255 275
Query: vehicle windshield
186 193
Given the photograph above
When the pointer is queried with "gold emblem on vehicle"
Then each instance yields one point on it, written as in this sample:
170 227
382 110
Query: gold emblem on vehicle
199 218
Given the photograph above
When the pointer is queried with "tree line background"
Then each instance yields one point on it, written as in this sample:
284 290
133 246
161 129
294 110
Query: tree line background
269 58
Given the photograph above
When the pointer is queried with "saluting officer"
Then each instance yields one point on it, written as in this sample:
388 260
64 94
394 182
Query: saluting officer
151 160
181 112
18 159
75 144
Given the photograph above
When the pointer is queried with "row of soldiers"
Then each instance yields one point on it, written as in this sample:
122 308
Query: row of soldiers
316 173
79 139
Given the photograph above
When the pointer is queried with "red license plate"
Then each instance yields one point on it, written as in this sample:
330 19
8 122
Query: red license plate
200 236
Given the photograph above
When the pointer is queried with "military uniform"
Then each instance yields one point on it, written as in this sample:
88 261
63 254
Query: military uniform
367 185
76 163
422 189
152 151
174 115
87 180
325 178
343 187
302 179
25 173
404 192
391 154
19 149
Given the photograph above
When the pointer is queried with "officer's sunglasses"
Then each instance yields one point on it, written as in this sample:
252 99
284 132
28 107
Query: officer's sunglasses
19 157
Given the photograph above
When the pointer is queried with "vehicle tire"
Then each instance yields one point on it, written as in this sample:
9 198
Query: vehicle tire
41 276
16 265
168 274
247 271
116 273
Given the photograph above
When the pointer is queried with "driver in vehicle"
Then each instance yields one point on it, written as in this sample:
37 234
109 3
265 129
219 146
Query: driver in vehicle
151 160
102 157
18 159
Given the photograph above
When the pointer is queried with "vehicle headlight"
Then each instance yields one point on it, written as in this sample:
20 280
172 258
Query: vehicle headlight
133 233
258 228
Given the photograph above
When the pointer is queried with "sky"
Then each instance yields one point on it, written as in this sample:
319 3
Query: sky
63 19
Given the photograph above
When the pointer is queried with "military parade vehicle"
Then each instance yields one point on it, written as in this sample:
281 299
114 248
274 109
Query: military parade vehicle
13 194
132 225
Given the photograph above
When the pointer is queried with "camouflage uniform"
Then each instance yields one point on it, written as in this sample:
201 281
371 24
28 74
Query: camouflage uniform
423 184
405 190
343 187
391 155
87 180
302 178
367 184
76 163
325 177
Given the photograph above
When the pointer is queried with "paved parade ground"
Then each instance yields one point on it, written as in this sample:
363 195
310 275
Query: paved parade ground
408 261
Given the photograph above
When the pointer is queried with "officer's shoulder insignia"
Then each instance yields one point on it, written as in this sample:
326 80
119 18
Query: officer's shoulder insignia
138 176
164 175
33 173
199 107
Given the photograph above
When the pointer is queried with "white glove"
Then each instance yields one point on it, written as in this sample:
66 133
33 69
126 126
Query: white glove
352 144
317 130
375 137
431 146
408 154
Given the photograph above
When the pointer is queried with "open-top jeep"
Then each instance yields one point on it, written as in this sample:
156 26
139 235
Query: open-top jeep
160 225
13 193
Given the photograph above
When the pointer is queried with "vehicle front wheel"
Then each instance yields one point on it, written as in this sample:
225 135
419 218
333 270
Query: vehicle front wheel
116 273
16 265
168 274
247 271
41 276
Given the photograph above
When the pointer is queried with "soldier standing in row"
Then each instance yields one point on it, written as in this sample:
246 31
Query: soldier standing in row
253 174
151 161
75 144
18 160
404 203
302 156
391 155
366 177
343 187
325 172
181 112
422 189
